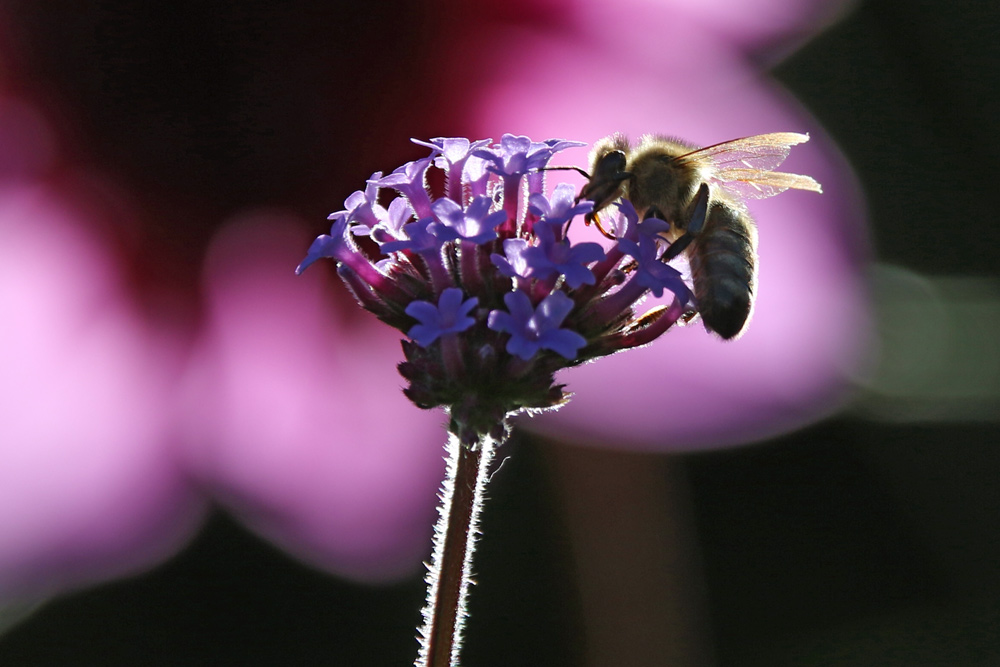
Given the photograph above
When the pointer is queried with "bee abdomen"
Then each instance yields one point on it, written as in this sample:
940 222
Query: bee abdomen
724 268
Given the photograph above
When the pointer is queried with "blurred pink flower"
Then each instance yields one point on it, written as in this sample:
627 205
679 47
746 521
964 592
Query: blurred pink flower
291 414
89 488
295 416
662 30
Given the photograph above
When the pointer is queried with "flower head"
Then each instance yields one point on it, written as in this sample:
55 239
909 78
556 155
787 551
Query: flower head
493 295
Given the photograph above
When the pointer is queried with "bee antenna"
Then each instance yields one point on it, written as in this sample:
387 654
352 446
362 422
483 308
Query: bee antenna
576 169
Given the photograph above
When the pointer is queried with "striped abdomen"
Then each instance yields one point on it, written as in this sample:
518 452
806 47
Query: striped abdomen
723 260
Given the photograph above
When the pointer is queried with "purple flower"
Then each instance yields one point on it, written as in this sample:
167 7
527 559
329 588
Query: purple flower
532 329
446 275
459 162
650 272
391 221
335 245
475 223
450 315
561 207
362 207
513 262
552 257
509 157
517 155
408 181
453 150
419 238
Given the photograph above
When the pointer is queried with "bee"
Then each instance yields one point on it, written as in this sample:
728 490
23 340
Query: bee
700 192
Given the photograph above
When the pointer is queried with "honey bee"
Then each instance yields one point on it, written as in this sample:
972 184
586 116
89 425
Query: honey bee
700 192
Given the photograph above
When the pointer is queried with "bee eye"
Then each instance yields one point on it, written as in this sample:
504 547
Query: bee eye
615 160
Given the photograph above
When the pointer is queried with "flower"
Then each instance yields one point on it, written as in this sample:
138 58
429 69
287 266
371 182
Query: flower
474 223
460 301
537 328
651 273
558 257
561 207
449 316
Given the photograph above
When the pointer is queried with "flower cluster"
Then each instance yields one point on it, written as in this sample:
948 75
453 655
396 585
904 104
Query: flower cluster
484 281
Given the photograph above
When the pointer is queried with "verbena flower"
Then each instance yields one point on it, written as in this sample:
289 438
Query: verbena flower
538 328
449 316
493 296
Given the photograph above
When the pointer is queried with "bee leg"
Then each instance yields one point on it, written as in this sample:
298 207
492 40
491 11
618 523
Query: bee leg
593 217
677 247
699 212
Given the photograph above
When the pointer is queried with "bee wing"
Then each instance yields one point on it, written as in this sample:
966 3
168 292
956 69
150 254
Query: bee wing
756 184
744 166
762 151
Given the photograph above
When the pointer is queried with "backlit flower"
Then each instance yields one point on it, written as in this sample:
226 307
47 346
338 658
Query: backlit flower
490 331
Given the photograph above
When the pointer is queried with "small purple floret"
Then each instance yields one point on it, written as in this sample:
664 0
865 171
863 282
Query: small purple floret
515 156
419 238
551 257
408 181
513 263
533 329
333 245
475 223
450 315
452 150
560 207
392 220
651 273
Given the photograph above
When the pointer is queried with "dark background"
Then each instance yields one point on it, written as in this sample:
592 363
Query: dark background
856 541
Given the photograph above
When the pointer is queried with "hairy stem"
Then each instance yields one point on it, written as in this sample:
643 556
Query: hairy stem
454 541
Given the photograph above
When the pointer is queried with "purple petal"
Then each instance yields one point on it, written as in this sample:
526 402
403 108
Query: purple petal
563 342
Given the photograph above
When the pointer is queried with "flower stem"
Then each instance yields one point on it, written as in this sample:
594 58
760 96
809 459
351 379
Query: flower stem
454 541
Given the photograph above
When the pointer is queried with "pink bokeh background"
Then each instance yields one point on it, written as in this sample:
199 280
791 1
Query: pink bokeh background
123 425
